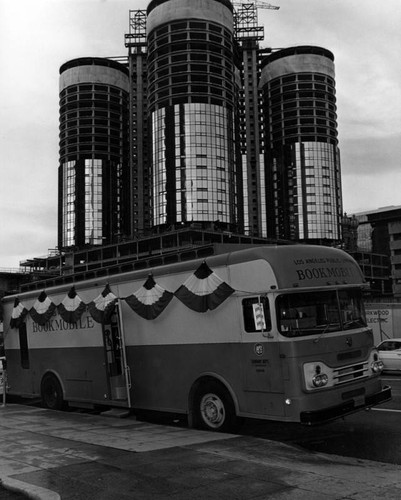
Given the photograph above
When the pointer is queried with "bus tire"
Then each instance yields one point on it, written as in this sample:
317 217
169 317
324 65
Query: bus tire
52 393
214 408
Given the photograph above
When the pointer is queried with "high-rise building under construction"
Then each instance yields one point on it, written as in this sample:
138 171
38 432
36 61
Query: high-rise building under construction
93 168
223 133
303 183
191 112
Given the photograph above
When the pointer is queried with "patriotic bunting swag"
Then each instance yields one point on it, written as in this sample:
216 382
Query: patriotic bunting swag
203 290
42 310
72 307
150 300
18 314
102 307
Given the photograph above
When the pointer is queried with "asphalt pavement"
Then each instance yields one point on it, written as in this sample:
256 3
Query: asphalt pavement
50 455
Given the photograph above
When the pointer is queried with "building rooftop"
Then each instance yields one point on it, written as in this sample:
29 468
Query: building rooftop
390 208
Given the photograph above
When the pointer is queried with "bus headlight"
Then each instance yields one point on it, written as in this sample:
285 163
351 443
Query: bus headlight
320 380
317 375
377 366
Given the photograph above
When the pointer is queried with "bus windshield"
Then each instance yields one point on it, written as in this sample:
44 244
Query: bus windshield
311 313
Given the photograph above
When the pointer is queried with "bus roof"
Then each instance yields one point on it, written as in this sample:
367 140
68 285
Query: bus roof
306 265
292 266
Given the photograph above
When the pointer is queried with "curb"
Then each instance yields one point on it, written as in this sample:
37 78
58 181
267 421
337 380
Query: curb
29 490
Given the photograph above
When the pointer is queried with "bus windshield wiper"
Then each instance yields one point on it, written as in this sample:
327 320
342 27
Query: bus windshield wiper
325 329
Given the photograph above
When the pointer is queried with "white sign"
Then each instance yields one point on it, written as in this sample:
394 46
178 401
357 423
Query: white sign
259 317
380 320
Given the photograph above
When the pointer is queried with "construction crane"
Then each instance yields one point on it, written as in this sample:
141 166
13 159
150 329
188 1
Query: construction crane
246 20
258 5
137 29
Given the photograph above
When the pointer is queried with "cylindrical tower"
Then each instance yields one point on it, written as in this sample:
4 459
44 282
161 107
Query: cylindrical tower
94 197
191 104
304 199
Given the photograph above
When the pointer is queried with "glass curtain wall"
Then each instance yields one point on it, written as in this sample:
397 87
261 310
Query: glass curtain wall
68 204
316 187
202 157
93 202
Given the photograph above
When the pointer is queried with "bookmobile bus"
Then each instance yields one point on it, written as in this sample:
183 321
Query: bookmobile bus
271 332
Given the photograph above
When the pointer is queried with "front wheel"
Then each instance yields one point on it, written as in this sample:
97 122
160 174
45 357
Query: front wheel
214 408
52 393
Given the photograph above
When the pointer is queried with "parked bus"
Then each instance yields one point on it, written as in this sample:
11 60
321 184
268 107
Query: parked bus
272 332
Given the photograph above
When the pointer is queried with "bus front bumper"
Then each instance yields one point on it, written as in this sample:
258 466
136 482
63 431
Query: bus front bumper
352 406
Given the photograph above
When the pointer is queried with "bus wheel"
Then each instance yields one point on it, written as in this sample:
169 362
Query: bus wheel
214 408
52 393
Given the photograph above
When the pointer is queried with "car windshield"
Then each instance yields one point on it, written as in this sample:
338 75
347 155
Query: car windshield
311 313
389 345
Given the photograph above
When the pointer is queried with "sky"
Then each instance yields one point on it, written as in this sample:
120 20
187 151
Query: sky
38 36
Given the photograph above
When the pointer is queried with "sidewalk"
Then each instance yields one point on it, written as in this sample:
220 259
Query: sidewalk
58 455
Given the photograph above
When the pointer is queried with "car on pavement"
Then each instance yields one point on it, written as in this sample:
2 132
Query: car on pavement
390 354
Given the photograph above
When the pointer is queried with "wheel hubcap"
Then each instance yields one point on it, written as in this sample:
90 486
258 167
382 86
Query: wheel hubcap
212 410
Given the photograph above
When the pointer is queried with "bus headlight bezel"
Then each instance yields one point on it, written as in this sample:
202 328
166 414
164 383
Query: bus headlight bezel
376 365
317 375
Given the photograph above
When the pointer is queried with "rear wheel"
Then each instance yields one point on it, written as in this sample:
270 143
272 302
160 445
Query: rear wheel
52 393
214 409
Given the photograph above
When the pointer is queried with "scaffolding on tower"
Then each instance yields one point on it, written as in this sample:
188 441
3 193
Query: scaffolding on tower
246 20
136 37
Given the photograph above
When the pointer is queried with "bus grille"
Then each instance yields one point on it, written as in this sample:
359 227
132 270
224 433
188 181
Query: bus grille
350 373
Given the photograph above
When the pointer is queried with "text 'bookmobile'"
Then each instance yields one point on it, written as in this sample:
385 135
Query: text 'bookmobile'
273 332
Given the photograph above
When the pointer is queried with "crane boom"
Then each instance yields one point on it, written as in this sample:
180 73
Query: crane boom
265 5
260 5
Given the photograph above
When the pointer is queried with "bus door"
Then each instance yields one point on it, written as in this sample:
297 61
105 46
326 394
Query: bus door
117 371
261 363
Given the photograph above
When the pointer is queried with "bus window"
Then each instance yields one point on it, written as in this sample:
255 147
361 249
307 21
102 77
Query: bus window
311 313
23 343
352 310
308 313
256 314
